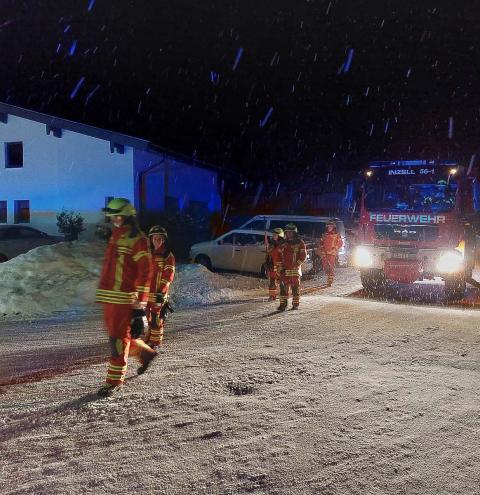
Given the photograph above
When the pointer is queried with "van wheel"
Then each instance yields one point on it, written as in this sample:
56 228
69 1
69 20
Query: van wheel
3 258
201 259
455 288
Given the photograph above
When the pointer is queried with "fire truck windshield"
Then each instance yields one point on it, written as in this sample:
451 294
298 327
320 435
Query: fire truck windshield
430 193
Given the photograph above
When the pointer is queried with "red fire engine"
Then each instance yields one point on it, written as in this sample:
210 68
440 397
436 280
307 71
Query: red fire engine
416 223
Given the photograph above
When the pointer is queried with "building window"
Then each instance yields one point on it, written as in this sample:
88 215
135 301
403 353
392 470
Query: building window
14 155
3 212
22 211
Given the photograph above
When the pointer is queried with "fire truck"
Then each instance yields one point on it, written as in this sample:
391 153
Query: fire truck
417 222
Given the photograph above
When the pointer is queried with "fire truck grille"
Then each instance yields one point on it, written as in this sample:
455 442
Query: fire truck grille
397 232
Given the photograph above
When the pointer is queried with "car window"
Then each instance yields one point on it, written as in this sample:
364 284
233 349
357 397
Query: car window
242 239
229 239
249 239
258 240
256 225
313 230
305 229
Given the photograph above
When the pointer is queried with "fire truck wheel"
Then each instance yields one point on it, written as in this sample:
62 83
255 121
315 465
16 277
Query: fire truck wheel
372 280
455 288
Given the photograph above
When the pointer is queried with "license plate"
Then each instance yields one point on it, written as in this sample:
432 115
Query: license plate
402 255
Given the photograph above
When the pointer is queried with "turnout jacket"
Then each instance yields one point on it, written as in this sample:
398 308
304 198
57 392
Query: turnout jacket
127 269
274 256
330 243
294 253
163 273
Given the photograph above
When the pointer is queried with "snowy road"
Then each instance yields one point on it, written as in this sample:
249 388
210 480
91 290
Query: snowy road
346 396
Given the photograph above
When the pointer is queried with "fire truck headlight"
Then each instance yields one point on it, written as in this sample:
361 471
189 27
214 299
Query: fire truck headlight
362 257
450 262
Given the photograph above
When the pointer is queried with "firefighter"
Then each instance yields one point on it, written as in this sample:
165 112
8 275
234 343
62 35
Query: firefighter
274 262
327 249
294 253
123 290
163 274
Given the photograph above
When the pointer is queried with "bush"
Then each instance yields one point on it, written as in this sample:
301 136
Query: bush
70 224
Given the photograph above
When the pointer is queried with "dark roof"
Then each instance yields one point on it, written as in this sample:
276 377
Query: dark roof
88 130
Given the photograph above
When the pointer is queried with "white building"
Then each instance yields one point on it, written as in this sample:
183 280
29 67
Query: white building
48 164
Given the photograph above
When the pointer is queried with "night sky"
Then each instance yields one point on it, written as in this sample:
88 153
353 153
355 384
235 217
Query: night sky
295 89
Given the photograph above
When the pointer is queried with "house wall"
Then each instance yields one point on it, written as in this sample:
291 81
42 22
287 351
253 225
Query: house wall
166 176
74 172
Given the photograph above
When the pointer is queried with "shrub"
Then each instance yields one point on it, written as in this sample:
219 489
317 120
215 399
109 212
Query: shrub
70 224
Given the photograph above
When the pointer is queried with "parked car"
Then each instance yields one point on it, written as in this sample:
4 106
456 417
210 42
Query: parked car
16 239
239 250
310 228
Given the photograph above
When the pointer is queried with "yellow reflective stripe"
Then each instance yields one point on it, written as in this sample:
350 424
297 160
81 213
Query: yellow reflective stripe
142 288
119 272
115 293
169 266
112 301
124 250
140 255
152 297
291 273
166 281
114 296
115 377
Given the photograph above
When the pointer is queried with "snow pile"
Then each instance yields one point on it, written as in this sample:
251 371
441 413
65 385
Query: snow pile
195 284
51 278
65 276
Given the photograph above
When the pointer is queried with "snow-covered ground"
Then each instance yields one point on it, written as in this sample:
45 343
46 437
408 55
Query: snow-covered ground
347 396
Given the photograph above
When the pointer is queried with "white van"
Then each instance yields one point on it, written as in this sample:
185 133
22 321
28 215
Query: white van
310 228
239 250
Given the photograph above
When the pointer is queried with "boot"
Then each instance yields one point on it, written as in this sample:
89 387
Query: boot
147 359
109 389
282 307
295 306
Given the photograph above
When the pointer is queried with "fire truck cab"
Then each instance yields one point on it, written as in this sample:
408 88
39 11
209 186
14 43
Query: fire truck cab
417 222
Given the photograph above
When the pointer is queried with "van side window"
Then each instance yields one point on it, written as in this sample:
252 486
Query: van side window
229 239
313 230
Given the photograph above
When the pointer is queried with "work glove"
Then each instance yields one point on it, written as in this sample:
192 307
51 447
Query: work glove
138 323
161 297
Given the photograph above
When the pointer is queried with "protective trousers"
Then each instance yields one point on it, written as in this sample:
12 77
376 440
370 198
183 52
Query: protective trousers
117 322
155 326
328 262
285 284
272 285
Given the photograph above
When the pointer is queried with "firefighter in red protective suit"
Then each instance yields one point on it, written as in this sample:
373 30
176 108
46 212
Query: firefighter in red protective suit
294 253
274 262
163 275
327 249
123 290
